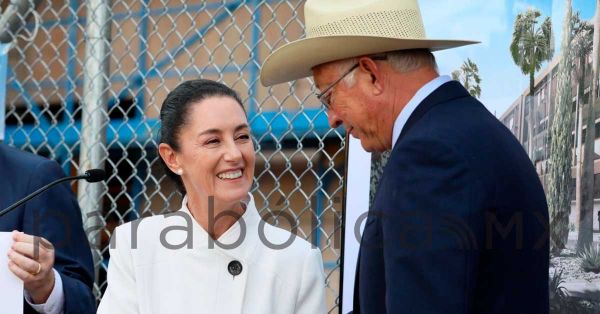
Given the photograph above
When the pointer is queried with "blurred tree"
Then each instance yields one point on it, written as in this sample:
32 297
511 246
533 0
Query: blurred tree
531 45
583 45
468 76
559 163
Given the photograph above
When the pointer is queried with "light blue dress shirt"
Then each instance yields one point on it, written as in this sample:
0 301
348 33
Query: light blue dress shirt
55 302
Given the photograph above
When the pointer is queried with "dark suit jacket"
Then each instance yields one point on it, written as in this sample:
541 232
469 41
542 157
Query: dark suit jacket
459 220
53 215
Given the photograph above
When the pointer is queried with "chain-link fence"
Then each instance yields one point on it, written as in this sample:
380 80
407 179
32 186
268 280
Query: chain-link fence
84 86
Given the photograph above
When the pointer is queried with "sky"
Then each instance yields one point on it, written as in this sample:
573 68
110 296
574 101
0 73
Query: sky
491 23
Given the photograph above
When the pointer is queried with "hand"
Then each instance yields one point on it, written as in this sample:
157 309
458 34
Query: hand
32 260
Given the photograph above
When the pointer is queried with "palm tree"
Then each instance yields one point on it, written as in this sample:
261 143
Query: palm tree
468 76
596 55
559 163
456 75
595 98
586 42
531 45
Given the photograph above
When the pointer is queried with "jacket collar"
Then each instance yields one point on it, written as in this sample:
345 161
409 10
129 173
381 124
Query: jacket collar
446 92
414 102
238 242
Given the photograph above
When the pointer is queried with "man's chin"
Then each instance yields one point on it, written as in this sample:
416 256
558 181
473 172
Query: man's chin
372 147
366 146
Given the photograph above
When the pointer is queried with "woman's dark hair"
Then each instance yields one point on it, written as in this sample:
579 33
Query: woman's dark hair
175 109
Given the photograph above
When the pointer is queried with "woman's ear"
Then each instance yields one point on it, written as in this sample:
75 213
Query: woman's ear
168 155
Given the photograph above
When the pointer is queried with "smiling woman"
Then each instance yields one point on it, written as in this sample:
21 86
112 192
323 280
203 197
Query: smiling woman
206 147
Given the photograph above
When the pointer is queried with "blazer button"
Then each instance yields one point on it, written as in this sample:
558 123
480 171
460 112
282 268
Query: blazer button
234 268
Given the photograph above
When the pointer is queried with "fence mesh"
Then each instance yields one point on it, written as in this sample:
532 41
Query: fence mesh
151 46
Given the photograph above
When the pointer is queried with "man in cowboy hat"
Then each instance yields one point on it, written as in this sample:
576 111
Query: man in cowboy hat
459 221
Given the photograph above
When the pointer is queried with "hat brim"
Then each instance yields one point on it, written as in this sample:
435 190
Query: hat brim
295 60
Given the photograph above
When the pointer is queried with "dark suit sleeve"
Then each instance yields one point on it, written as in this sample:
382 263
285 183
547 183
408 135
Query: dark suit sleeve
430 230
55 216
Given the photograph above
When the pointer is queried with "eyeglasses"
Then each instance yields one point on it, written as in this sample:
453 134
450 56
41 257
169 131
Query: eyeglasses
325 95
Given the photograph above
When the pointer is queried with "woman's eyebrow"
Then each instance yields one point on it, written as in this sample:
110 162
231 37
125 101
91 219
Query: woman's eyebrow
209 131
217 131
242 126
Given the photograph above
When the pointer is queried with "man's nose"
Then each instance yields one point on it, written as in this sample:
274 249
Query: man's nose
333 119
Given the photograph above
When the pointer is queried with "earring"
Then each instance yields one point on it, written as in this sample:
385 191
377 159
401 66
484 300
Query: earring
179 171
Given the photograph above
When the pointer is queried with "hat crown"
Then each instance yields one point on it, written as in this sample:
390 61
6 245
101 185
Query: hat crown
384 18
341 29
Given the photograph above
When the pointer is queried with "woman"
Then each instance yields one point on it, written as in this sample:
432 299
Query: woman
215 255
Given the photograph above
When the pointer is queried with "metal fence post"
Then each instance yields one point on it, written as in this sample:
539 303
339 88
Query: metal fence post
93 152
3 70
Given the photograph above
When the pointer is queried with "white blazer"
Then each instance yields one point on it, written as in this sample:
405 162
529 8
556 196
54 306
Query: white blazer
169 264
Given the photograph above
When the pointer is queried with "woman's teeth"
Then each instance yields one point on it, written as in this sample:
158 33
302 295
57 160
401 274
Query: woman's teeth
230 175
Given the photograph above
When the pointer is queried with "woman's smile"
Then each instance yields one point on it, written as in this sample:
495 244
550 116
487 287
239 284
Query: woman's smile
231 175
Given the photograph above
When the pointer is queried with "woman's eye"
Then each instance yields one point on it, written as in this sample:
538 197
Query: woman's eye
213 141
244 137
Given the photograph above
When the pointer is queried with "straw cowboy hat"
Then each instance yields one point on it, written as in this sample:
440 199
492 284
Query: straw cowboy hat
339 29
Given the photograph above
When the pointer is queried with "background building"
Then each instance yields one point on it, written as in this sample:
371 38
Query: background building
539 114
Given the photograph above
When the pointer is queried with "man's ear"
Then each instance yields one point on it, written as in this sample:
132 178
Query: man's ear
373 73
168 155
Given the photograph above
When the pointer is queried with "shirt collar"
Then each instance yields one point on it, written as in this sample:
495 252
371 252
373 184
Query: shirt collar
239 241
414 102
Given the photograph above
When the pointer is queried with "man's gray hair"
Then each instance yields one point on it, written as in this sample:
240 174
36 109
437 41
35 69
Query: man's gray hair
401 61
410 60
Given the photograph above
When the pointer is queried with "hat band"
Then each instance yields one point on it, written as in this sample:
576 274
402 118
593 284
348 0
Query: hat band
394 24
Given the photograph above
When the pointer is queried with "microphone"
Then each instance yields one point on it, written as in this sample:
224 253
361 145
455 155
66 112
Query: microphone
92 175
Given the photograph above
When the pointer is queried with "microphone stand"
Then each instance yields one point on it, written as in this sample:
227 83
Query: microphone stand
90 175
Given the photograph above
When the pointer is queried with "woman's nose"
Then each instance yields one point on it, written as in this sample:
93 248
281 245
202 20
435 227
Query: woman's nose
232 152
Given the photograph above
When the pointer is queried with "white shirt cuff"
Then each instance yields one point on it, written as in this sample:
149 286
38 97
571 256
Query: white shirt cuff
56 300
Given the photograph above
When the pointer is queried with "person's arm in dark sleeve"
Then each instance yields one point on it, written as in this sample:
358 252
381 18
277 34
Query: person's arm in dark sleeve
55 216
